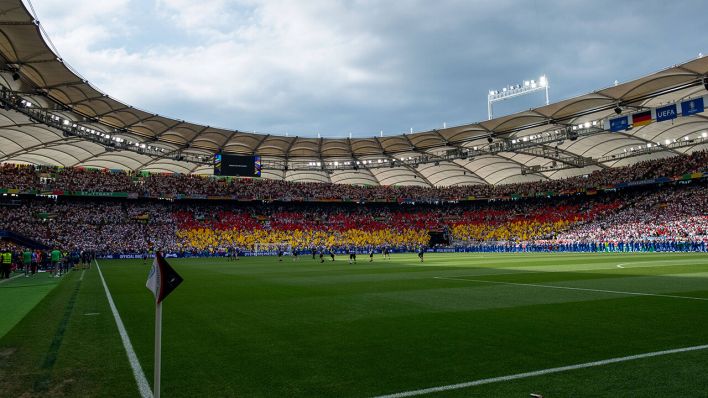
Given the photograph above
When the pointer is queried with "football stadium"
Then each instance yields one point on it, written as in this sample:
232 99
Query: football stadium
559 251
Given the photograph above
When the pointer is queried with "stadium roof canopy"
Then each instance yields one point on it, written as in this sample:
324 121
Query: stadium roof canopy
71 123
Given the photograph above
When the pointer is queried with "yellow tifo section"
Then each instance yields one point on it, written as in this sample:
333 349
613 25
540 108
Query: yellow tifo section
205 238
515 230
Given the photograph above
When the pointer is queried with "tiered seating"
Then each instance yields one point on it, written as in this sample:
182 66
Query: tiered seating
171 185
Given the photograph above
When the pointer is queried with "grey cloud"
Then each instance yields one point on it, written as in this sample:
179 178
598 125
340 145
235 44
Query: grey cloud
435 61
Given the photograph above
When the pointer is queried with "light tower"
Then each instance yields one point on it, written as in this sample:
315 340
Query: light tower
516 90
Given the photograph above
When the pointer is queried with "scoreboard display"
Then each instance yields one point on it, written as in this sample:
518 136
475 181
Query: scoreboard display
237 165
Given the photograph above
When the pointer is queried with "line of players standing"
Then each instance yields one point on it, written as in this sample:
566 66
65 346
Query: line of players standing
235 253
329 251
322 252
55 262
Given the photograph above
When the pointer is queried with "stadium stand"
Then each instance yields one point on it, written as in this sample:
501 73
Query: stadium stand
83 171
582 214
45 178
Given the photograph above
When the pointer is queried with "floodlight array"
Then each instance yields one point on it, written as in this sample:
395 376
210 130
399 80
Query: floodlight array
111 141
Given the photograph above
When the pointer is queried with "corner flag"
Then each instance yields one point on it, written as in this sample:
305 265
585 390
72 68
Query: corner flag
163 279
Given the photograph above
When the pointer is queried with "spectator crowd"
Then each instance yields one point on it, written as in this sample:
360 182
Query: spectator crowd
677 213
45 178
280 214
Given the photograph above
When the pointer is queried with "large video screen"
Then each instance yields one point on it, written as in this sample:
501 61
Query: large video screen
237 165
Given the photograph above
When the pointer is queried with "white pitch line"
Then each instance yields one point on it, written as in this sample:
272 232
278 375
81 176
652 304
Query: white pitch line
140 379
541 372
525 272
11 278
578 288
82 275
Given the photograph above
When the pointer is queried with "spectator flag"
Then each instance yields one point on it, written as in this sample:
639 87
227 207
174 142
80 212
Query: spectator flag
163 279
641 119
693 106
619 124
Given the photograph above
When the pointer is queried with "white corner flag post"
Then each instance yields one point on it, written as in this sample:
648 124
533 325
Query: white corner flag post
162 280
158 349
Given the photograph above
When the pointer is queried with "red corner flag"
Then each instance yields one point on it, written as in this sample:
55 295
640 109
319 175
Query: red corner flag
163 279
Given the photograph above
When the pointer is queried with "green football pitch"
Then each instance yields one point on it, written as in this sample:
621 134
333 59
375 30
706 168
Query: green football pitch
457 325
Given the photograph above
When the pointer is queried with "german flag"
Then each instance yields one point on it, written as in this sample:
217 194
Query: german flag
641 119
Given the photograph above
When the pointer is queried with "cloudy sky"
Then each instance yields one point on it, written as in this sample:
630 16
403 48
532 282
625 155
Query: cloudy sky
358 66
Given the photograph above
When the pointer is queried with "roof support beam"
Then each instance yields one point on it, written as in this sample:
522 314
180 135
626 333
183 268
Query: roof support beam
10 126
378 142
11 140
522 166
65 84
91 157
418 174
109 160
39 61
553 153
568 153
43 145
407 166
413 147
87 99
112 111
51 147
355 159
166 129
153 160
443 139
424 153
139 121
16 23
319 151
287 150
467 169
191 140
262 140
460 147
646 141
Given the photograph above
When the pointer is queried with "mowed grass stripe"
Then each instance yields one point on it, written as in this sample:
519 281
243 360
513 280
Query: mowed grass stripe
375 275
43 380
140 379
84 364
288 317
19 295
242 330
541 372
536 285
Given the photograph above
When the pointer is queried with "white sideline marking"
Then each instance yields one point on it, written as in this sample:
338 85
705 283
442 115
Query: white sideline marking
541 372
620 265
11 278
525 272
82 275
140 379
577 288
